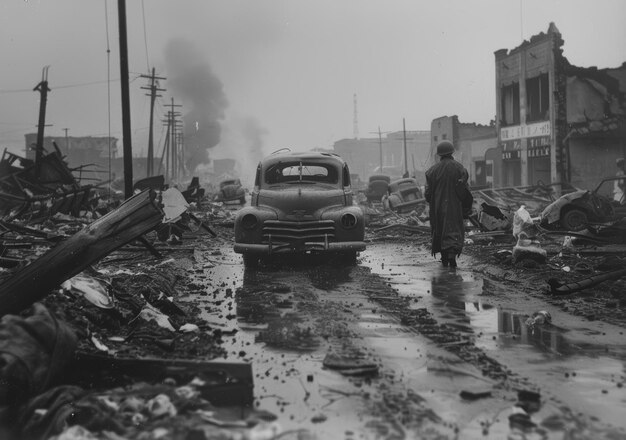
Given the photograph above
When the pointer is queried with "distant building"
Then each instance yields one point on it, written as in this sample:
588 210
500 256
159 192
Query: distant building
90 153
471 142
364 155
555 122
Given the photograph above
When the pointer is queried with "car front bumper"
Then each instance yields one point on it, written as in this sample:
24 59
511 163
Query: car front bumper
286 248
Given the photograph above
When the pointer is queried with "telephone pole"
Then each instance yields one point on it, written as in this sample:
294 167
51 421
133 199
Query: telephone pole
380 147
67 140
170 151
406 162
43 89
173 144
126 129
154 88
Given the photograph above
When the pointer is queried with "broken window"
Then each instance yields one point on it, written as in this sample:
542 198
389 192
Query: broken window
510 105
538 98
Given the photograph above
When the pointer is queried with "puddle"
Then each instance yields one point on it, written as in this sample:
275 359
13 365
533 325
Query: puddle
581 363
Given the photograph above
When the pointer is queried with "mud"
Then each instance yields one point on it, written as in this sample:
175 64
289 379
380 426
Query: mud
398 347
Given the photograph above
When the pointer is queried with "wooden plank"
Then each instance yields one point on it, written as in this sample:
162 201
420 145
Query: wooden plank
136 216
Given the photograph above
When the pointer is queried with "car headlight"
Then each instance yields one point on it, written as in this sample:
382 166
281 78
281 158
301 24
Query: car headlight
249 221
348 220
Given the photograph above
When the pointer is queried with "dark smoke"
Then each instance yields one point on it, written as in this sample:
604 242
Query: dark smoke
191 81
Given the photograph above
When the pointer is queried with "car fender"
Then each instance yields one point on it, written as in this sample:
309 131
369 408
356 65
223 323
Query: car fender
335 213
552 212
262 213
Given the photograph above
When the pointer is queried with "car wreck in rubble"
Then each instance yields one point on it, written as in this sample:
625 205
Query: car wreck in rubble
576 210
405 195
301 203
231 191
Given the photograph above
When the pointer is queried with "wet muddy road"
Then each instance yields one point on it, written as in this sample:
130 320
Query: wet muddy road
399 347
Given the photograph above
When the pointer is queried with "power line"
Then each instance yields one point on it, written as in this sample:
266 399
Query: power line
145 37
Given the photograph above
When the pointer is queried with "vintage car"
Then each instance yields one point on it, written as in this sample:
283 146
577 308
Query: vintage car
575 210
377 187
230 191
405 195
301 203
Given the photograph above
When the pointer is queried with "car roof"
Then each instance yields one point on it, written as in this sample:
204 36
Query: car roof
327 158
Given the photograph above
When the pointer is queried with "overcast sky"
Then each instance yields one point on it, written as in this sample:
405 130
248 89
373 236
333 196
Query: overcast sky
280 73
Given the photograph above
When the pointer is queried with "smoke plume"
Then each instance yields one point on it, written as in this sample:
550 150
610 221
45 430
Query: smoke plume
192 81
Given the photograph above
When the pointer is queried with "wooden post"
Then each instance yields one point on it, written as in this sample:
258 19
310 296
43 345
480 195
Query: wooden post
43 89
126 130
134 217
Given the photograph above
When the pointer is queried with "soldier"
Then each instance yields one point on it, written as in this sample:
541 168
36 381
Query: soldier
450 200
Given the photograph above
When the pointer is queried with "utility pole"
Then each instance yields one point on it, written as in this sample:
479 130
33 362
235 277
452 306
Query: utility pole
173 145
126 129
43 89
406 162
380 148
67 141
154 88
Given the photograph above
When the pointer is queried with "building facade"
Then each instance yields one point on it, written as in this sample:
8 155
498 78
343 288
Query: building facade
471 142
90 153
556 123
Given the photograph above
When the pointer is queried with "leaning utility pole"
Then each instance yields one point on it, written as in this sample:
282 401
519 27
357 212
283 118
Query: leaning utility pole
154 88
126 130
43 89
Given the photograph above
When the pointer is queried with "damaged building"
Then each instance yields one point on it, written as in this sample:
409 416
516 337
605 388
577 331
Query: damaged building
471 141
556 123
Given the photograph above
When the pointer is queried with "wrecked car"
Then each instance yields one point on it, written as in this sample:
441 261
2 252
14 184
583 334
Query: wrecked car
404 195
230 191
575 210
377 187
301 203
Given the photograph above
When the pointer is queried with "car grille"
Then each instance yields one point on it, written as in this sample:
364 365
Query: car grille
289 231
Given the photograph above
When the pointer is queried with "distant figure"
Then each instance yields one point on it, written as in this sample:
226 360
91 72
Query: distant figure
618 185
449 199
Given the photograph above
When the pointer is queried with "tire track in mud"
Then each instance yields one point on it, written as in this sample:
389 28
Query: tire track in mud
320 315
558 417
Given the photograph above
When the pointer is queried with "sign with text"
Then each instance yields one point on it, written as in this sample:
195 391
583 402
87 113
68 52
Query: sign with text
511 145
539 152
511 155
525 131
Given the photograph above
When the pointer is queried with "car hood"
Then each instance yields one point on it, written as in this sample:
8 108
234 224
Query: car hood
299 200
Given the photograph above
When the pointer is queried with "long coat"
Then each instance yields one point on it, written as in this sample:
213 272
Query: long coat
446 210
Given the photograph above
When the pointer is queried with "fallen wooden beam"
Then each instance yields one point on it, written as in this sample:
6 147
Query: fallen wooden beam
558 287
136 216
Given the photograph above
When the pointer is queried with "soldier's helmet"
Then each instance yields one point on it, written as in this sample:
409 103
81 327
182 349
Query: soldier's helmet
444 148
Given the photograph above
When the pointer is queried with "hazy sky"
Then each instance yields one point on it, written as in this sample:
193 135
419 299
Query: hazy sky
286 70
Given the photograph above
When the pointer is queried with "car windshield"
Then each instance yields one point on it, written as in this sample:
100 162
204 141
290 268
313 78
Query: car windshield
297 172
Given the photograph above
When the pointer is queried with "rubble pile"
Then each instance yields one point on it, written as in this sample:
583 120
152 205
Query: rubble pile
95 341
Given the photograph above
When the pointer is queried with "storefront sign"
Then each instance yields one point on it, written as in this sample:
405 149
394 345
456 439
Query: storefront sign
511 155
539 152
511 145
525 131
542 141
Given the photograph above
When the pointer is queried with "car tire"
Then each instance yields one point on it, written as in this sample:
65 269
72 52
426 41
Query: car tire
574 220
250 261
